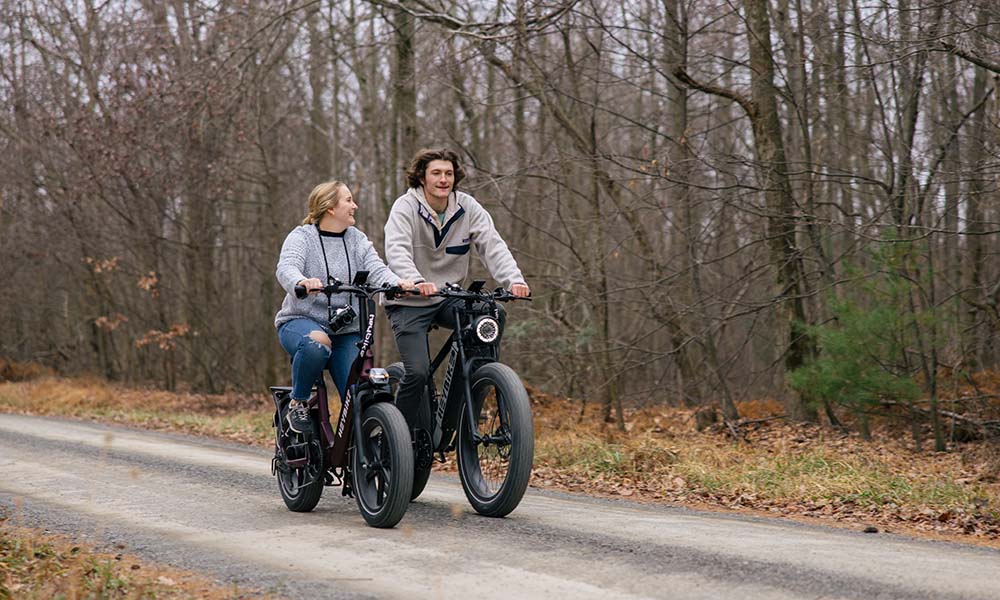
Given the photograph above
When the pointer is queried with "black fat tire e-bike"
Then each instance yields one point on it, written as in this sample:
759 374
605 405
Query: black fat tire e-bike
370 453
484 414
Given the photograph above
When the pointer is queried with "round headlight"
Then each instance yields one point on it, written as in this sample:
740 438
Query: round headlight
487 330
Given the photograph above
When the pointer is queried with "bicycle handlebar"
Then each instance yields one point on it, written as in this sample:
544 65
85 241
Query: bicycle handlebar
451 290
367 291
500 294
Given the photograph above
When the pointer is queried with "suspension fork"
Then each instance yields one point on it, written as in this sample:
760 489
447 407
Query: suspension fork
359 444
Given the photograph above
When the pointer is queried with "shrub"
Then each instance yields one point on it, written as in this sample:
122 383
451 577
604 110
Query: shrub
22 371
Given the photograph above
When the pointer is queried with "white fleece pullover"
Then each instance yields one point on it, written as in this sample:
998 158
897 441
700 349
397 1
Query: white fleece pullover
419 248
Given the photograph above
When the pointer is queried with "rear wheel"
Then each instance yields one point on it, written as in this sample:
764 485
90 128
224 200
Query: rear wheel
495 470
420 475
301 488
382 486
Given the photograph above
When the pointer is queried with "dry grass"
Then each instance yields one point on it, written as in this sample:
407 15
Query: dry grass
781 469
795 470
36 565
240 418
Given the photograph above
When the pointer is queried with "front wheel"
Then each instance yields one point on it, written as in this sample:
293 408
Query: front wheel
495 467
382 486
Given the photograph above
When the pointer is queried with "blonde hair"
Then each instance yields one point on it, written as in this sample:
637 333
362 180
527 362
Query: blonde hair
323 197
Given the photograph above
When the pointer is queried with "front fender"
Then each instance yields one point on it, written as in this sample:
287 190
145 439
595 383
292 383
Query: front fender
370 393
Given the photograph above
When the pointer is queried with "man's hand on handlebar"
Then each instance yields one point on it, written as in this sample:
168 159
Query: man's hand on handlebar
520 290
405 287
427 288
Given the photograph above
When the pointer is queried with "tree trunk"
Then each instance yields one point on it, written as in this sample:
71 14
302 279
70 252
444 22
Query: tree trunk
319 133
773 173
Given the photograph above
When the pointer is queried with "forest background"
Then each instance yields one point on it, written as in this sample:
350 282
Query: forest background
713 201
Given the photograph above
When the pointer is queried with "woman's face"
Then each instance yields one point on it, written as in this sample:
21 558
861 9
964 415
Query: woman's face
343 212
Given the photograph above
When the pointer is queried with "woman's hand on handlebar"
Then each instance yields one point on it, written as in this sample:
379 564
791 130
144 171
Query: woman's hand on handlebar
311 285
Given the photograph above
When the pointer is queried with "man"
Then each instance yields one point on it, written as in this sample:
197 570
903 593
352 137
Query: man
427 240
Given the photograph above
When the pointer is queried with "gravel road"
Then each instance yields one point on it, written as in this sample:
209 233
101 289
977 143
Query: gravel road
214 507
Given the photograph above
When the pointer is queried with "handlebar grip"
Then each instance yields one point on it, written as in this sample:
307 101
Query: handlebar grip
394 291
301 292
504 295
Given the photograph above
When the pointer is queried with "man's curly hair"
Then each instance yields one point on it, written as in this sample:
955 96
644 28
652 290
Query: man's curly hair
417 170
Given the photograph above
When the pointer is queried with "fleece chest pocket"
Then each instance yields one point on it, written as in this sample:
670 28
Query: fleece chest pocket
462 249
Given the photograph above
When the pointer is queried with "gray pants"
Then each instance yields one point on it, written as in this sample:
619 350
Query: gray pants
410 325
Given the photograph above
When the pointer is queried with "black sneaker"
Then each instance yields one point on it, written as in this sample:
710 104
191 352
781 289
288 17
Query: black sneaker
298 417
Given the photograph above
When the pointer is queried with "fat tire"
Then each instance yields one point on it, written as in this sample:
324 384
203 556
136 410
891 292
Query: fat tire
516 411
385 509
303 499
420 476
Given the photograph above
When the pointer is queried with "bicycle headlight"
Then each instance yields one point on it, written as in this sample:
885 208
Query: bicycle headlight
487 329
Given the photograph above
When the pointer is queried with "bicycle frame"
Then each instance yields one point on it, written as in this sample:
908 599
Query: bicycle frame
349 419
454 348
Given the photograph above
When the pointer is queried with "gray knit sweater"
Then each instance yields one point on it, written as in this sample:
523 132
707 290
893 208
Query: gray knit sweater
302 258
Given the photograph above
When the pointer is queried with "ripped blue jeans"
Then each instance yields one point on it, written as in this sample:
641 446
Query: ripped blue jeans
310 357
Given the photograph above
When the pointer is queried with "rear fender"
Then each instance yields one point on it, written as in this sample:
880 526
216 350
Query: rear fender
279 394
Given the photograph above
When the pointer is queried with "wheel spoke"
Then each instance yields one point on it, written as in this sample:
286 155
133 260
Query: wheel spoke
377 476
494 452
374 459
380 488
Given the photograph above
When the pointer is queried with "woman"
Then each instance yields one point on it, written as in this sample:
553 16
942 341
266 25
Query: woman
325 246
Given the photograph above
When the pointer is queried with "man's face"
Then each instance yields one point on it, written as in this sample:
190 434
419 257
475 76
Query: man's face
439 179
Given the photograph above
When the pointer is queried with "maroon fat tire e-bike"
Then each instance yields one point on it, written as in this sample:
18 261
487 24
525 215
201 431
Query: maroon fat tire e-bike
369 453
